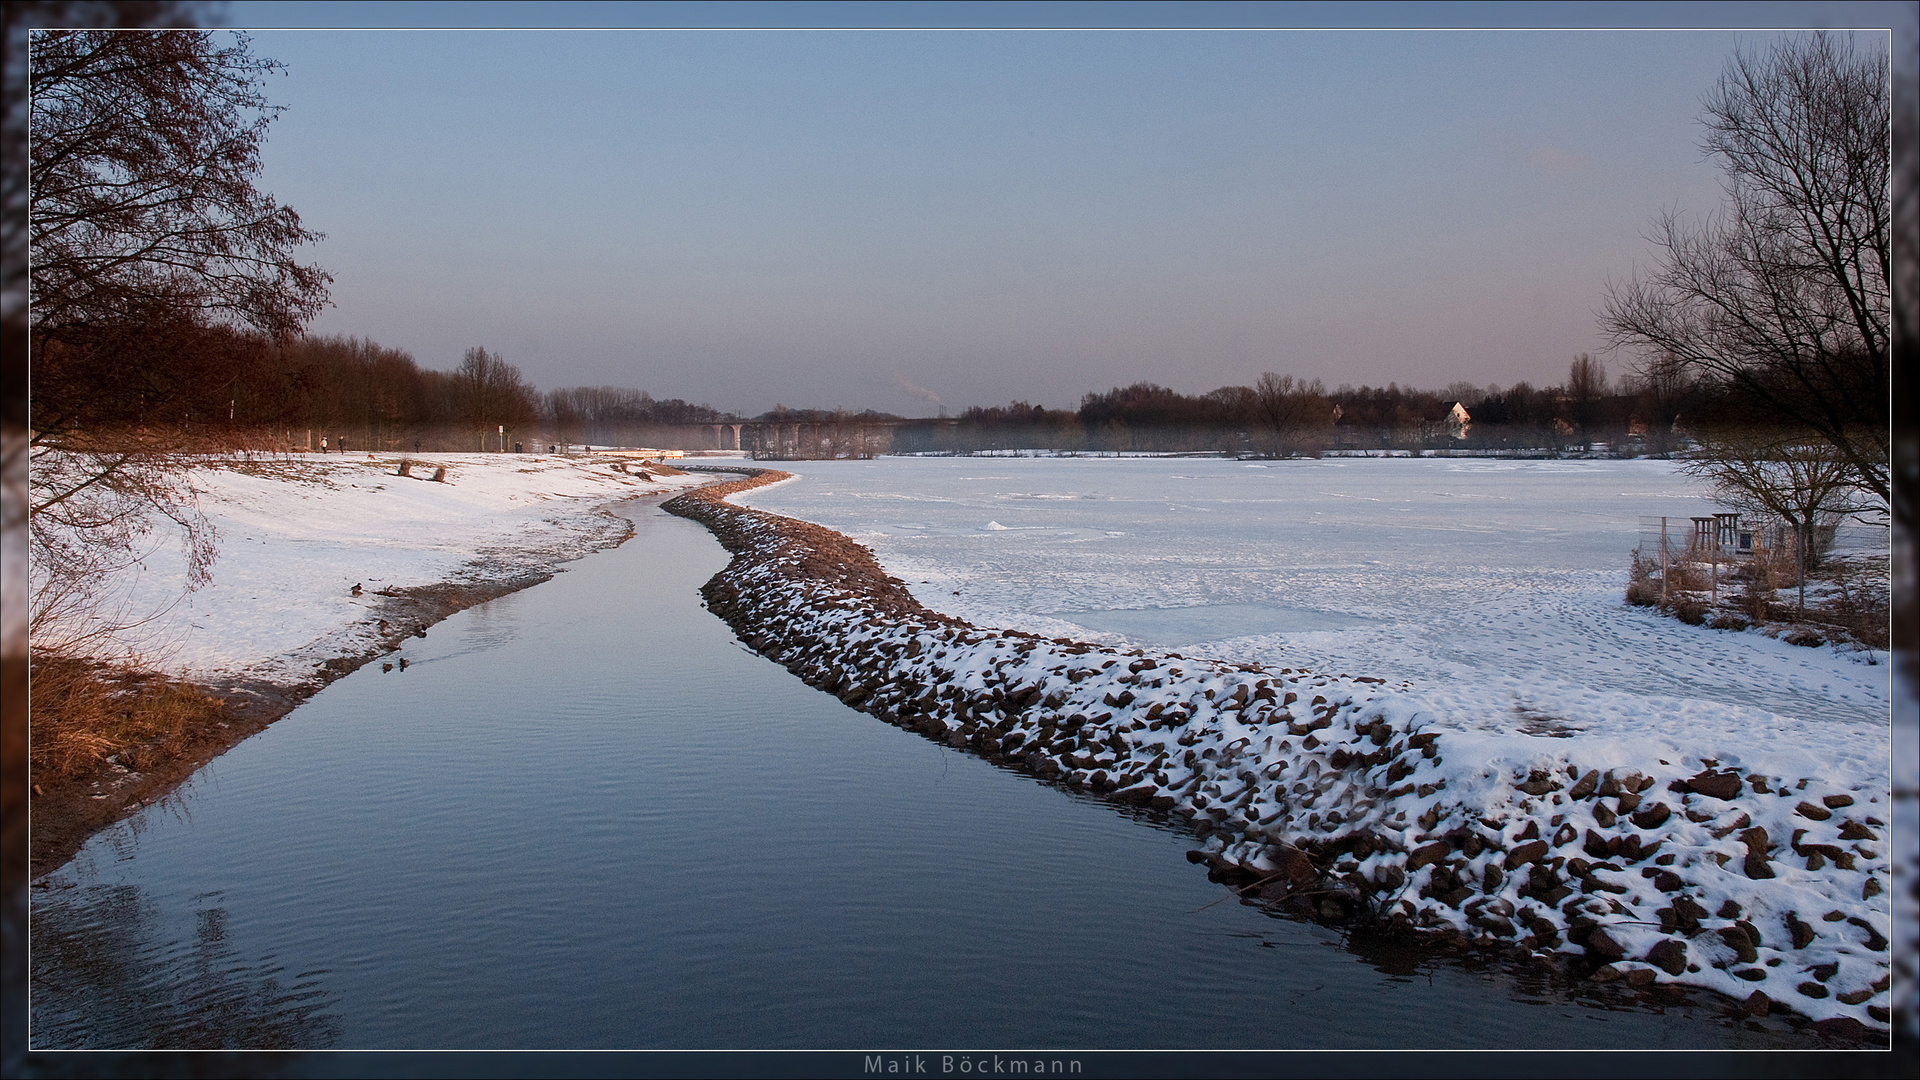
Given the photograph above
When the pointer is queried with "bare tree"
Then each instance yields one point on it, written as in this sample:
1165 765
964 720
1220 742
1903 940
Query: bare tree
145 147
492 393
1666 388
1586 394
145 229
93 520
1293 416
1782 295
1802 482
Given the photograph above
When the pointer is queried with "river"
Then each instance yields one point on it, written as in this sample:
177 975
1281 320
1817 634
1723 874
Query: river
584 816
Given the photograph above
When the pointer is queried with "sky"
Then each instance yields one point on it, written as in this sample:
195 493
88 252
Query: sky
879 212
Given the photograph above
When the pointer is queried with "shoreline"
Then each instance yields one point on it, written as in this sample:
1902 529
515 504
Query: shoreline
1661 874
63 819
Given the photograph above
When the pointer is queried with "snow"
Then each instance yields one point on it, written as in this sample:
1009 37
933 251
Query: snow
1494 585
1488 597
296 533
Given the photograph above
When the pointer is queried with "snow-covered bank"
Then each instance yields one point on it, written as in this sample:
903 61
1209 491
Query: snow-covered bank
1748 860
314 551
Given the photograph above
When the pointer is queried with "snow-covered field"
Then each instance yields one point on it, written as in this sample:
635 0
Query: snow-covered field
1493 588
295 534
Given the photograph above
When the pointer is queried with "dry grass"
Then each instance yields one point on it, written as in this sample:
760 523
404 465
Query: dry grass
1862 601
1848 600
85 712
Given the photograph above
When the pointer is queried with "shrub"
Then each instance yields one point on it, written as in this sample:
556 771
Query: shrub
1642 590
1689 609
1864 604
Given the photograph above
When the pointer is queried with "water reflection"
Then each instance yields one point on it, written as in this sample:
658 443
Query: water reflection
108 975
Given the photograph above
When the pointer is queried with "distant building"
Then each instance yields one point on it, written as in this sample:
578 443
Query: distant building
1458 420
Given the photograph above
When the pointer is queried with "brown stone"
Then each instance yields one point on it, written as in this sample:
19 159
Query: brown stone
1836 802
1631 851
1688 913
1874 940
1802 933
1601 944
1523 854
1665 880
1651 817
1427 855
1294 864
1853 830
1585 786
1817 813
1737 940
1669 955
1812 990
1715 785
1627 802
1757 1004
1740 821
1757 866
1539 783
1841 1028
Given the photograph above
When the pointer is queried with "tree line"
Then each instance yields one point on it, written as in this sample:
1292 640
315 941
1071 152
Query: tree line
208 384
1285 416
220 384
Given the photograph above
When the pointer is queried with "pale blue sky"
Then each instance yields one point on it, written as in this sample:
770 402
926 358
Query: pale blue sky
827 217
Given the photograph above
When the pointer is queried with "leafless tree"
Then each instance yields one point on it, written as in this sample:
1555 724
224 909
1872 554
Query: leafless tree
1666 387
1906 360
1782 295
1586 394
93 522
492 393
1292 416
1803 482
144 224
145 148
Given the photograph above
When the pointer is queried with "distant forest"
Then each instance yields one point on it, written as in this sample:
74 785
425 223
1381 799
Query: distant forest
1280 416
224 384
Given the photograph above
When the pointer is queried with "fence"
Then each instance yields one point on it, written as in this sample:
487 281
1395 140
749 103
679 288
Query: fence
1701 553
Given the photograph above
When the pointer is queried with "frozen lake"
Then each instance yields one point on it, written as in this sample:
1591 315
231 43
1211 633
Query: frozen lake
1491 589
